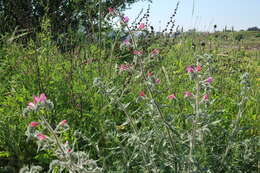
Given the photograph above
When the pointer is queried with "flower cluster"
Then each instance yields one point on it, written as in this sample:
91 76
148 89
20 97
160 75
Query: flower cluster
124 67
194 73
33 132
49 138
39 102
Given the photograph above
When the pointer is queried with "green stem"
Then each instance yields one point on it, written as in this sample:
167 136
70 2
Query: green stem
194 121
157 108
53 134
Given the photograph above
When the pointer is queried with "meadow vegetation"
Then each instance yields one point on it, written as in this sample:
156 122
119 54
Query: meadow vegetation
130 100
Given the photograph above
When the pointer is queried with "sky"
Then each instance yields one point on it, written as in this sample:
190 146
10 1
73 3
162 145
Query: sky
201 14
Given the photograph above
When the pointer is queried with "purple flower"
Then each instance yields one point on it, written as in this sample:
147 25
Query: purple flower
155 52
125 19
206 97
126 42
190 69
42 98
172 96
157 81
34 124
124 67
187 94
41 136
209 80
141 26
137 52
31 105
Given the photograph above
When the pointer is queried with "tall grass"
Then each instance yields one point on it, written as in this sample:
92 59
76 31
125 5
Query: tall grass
131 106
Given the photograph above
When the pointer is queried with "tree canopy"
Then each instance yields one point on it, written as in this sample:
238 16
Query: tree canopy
253 29
63 14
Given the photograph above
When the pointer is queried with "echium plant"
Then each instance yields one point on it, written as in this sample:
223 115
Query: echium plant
50 139
136 139
245 87
201 119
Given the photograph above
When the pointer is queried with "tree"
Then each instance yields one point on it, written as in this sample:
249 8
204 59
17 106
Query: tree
253 29
63 14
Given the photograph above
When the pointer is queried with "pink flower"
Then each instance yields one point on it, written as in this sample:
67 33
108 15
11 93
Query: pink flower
63 122
41 99
31 105
190 69
141 94
187 94
124 67
69 150
172 96
155 52
36 100
41 136
126 42
198 68
110 10
137 52
149 74
157 80
206 97
209 80
141 26
125 19
34 124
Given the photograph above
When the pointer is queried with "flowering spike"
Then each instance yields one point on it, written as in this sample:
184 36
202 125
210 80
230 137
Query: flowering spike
124 67
42 98
125 19
137 52
126 42
31 105
157 81
198 68
36 100
41 136
155 52
142 94
187 94
209 80
110 10
172 96
190 69
206 97
63 122
34 124
141 26
149 74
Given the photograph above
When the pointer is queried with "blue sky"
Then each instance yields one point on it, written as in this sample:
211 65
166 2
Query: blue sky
238 13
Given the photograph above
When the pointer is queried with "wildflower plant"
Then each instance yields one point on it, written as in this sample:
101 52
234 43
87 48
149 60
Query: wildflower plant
52 140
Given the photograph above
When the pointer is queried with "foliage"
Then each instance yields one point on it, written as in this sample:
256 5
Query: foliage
239 37
253 29
131 103
64 15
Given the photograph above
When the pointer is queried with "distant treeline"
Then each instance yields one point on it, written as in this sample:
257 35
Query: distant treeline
253 29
